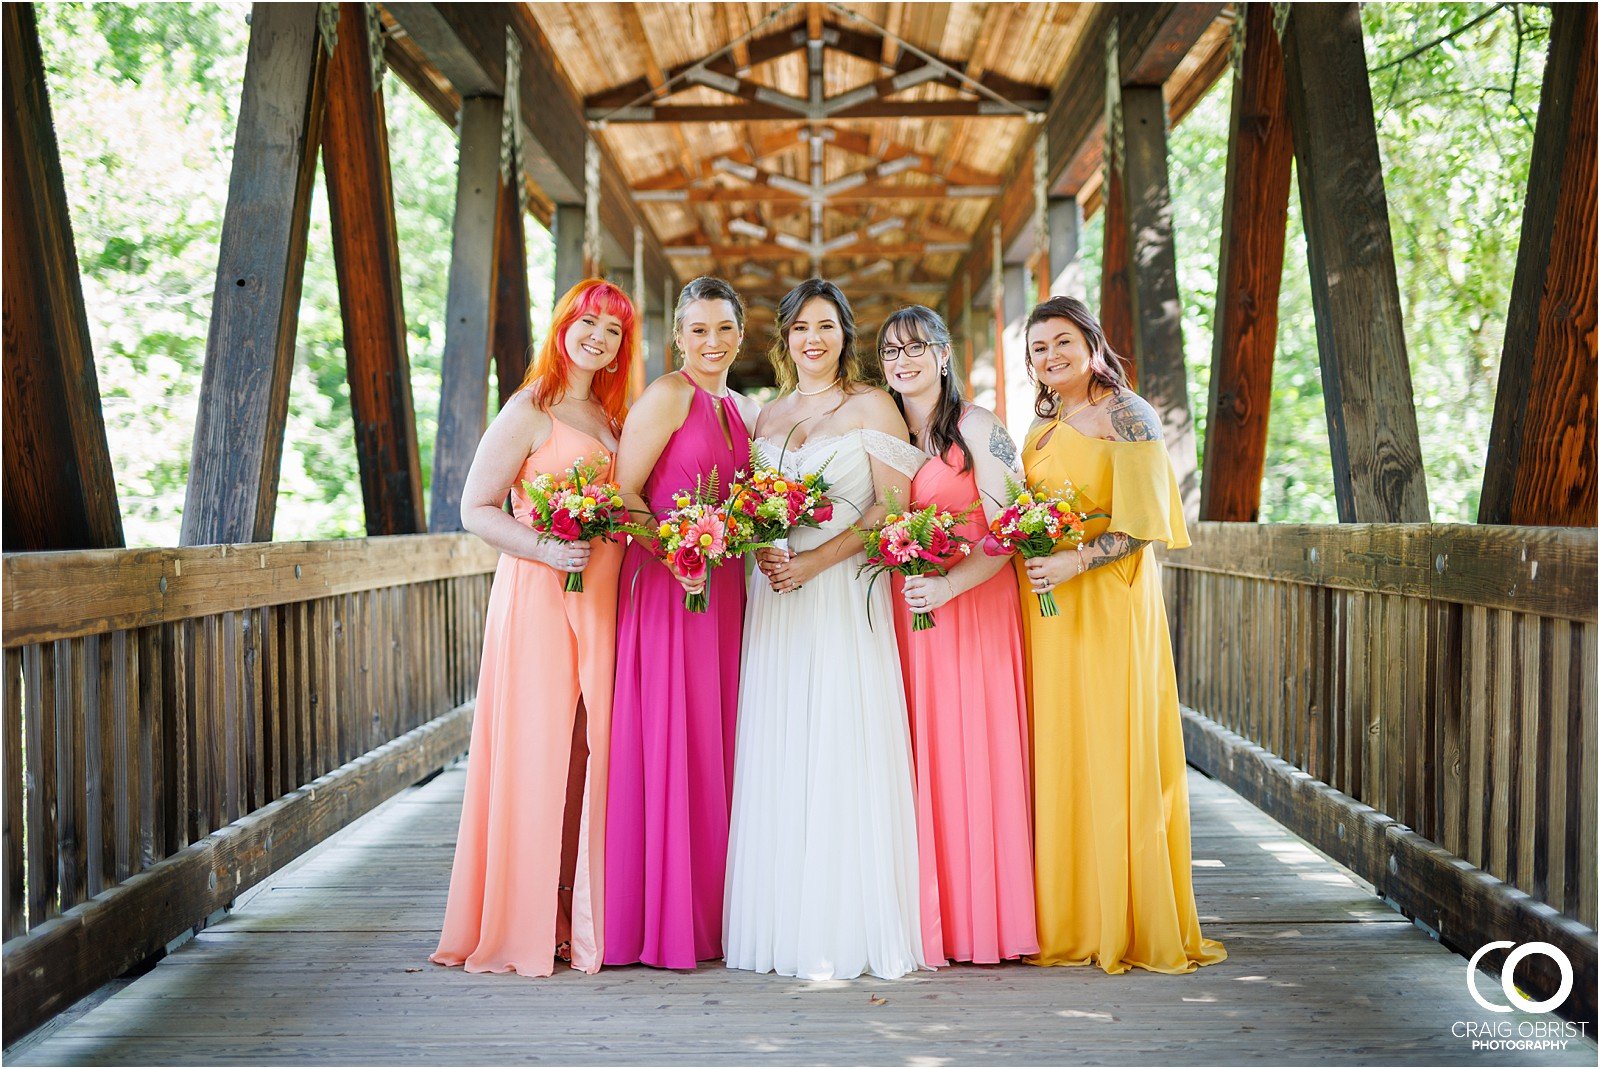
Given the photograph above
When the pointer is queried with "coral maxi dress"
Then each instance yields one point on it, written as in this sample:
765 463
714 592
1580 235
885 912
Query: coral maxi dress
548 659
1111 798
967 693
672 736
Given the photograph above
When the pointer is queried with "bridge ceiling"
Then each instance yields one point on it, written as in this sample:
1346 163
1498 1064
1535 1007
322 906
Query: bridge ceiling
879 172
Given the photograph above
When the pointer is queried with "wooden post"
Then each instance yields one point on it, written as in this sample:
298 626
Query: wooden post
997 295
1366 380
1065 274
1013 349
464 393
60 492
1157 311
668 310
511 336
567 227
969 343
1541 464
1116 298
366 252
1255 217
244 392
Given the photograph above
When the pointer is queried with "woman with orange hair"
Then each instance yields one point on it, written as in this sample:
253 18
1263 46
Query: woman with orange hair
527 885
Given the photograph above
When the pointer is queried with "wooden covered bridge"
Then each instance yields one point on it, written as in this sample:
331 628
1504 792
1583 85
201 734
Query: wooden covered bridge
1390 719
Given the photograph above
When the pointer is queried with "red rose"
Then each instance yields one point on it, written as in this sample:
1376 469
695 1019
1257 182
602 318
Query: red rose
689 563
823 512
565 526
994 547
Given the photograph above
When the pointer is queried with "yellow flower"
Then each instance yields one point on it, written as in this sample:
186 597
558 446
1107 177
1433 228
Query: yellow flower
780 486
589 502
665 530
616 502
683 502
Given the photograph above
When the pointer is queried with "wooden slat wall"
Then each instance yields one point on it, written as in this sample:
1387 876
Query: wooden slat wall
1442 674
133 733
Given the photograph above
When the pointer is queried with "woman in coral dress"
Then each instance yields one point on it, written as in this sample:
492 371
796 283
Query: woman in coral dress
672 727
527 884
1111 796
965 680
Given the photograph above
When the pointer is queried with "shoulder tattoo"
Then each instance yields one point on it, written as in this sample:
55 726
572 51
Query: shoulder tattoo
1002 448
1133 419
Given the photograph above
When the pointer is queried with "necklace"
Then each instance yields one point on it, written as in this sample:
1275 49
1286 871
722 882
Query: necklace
813 393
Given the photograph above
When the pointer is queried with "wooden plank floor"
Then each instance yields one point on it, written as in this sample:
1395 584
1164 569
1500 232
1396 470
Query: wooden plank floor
327 963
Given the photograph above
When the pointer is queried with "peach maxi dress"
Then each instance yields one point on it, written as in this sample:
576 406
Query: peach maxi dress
548 661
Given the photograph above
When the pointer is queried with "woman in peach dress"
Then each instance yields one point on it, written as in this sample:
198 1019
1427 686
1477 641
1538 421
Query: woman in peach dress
965 678
527 885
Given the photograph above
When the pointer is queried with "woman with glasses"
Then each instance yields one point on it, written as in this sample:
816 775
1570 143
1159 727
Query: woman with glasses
965 676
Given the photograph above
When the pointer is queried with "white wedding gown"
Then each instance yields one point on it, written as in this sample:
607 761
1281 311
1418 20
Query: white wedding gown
822 850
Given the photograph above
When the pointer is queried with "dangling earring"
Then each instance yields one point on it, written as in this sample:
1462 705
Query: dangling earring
613 366
944 369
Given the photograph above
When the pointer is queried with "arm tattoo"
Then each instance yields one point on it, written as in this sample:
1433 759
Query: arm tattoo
1002 448
1112 547
1133 419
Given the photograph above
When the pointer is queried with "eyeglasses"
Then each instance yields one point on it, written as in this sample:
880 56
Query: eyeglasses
890 353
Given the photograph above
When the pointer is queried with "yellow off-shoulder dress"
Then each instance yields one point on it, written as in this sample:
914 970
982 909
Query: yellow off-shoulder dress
1111 802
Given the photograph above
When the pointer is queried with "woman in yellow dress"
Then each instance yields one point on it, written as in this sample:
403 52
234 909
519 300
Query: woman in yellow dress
1111 803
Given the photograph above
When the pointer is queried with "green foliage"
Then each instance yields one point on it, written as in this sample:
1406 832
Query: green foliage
145 99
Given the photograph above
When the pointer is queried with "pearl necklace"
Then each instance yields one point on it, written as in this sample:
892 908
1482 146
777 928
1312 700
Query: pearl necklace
813 393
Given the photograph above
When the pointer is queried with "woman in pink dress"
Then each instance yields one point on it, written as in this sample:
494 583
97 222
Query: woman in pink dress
965 679
527 885
677 672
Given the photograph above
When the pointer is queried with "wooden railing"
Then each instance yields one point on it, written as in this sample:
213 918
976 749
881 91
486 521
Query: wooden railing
181 722
1440 683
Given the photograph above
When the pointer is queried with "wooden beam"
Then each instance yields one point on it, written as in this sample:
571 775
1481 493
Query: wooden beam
464 391
401 55
1255 216
1116 295
366 253
762 193
60 491
244 391
1541 463
754 112
1366 379
1153 276
511 333
769 251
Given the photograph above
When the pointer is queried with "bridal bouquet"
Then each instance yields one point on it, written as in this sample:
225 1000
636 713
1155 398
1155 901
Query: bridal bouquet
774 503
1032 524
575 506
913 543
701 532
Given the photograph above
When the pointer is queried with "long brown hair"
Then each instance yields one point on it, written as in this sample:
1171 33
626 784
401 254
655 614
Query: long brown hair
921 323
850 372
1107 367
547 374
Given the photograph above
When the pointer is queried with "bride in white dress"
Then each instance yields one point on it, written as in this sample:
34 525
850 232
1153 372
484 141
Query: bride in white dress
822 850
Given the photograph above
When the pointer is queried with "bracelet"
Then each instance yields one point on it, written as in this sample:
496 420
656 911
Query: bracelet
1081 567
